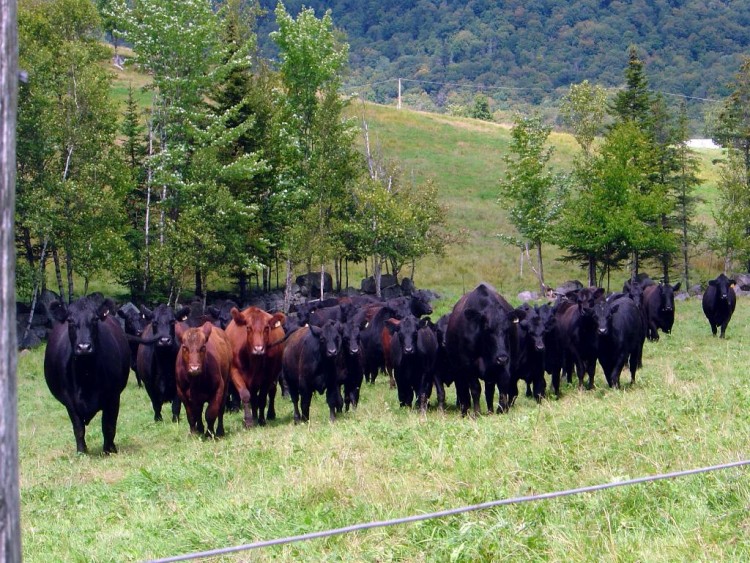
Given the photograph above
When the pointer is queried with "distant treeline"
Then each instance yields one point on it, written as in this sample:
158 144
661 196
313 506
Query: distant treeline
689 47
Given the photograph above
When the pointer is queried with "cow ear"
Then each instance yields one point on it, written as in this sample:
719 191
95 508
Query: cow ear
392 325
146 312
277 320
315 330
105 308
712 282
237 316
676 287
179 330
599 292
120 313
58 311
614 307
425 321
182 314
732 283
206 329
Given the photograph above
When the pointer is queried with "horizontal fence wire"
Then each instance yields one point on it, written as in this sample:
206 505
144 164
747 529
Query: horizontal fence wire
450 512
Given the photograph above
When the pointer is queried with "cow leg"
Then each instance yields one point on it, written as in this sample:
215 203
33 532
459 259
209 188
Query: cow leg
723 329
475 388
213 411
462 396
271 412
109 426
259 406
713 327
191 418
306 400
539 386
440 392
156 404
528 389
556 381
332 398
176 405
233 400
295 402
590 370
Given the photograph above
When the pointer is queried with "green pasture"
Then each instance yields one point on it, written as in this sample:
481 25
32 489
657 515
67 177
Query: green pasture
168 493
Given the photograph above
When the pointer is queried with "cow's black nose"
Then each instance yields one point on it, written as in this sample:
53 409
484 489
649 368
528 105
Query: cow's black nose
84 348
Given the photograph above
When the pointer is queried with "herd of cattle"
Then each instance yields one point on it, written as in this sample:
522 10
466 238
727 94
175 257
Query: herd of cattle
230 357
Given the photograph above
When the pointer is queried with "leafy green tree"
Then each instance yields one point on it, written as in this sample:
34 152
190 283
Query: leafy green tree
481 108
71 179
179 44
583 110
732 131
530 191
324 170
729 239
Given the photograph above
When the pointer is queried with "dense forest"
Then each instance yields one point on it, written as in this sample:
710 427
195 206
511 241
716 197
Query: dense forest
532 50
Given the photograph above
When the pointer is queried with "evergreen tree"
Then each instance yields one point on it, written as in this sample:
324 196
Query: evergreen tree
633 102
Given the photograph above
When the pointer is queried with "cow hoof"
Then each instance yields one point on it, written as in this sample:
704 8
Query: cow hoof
110 450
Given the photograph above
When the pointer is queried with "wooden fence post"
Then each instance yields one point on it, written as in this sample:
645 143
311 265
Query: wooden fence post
10 530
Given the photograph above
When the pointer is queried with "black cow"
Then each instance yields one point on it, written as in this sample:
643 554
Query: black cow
478 344
310 363
134 323
658 306
621 334
222 315
577 332
86 366
529 362
350 363
375 316
157 356
719 301
442 373
413 351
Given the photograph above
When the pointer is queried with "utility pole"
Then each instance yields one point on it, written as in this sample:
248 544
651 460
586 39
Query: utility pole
10 529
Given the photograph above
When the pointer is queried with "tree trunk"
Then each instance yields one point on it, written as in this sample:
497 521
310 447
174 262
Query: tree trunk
542 286
242 284
58 274
10 529
322 281
198 283
592 271
377 274
37 290
69 272
147 231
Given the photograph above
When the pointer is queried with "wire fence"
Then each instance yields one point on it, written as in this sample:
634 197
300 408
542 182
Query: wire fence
450 512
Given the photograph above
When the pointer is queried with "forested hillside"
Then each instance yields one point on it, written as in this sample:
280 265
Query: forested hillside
689 47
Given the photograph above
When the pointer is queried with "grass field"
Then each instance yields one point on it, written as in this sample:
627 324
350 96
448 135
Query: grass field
168 493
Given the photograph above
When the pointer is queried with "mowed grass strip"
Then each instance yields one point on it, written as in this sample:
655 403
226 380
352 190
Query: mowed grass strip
168 492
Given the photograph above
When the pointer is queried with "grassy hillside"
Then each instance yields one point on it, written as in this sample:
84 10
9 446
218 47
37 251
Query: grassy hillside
465 158
168 493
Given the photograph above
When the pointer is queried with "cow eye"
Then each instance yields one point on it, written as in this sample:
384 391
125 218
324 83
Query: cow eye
203 348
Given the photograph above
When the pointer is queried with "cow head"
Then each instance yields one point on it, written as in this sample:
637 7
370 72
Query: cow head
722 284
420 303
494 325
329 336
406 332
351 336
666 293
634 290
193 347
533 327
223 314
82 317
441 329
134 319
586 298
163 320
259 326
603 311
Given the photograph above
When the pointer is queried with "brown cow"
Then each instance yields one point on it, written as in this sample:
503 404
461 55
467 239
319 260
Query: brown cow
257 340
202 375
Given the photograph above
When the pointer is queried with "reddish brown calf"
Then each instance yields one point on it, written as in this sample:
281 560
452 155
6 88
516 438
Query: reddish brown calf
202 375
